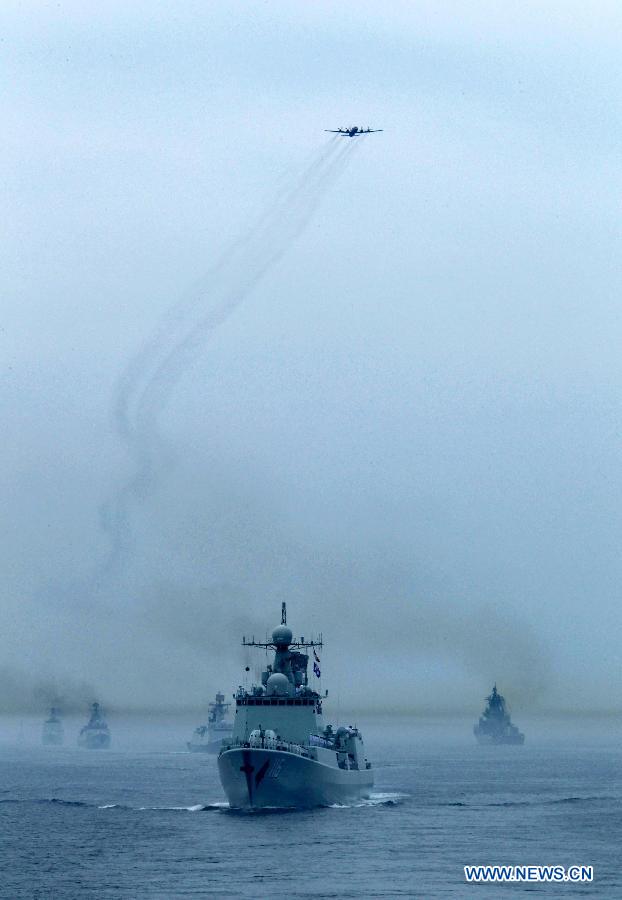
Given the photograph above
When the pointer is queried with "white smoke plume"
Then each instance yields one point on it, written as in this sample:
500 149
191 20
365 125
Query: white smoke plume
143 390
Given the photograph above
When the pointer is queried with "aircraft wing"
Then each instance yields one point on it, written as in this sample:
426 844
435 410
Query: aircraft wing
336 130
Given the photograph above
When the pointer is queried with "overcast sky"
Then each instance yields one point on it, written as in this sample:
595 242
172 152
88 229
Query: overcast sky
408 426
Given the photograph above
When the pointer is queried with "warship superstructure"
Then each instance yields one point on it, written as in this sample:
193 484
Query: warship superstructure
52 731
95 735
280 753
208 738
494 726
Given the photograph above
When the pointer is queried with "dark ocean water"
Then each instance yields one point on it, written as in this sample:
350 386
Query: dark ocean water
146 819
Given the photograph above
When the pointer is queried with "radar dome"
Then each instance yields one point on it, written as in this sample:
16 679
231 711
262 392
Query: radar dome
278 684
282 635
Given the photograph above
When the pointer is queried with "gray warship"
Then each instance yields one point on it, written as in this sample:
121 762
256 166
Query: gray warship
494 726
52 731
280 754
95 735
208 738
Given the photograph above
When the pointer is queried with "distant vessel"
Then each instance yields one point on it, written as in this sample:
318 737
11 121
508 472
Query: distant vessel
280 754
95 735
52 731
494 726
208 738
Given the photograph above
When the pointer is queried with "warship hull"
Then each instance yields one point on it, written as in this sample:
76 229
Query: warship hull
254 778
95 741
488 740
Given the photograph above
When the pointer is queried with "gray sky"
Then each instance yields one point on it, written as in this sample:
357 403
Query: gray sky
409 428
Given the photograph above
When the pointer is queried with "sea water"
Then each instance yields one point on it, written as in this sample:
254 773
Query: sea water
148 819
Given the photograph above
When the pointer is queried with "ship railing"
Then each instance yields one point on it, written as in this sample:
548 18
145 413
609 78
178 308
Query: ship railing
316 740
269 744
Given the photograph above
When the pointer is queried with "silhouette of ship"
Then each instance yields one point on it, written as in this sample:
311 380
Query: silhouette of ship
95 735
208 738
52 731
494 726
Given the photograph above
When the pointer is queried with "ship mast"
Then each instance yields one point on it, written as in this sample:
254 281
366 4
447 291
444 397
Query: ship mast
267 644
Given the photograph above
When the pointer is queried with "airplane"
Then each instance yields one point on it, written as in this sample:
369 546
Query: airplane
353 131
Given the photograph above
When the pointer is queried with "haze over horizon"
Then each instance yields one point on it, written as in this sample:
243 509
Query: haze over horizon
406 421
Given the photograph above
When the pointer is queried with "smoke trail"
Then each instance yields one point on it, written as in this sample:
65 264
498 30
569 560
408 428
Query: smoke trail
143 390
174 319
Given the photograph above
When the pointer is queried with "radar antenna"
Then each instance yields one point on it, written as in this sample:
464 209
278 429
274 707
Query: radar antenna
290 643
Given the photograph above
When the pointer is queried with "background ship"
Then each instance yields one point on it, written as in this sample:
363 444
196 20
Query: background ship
208 738
52 731
95 735
280 754
494 726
